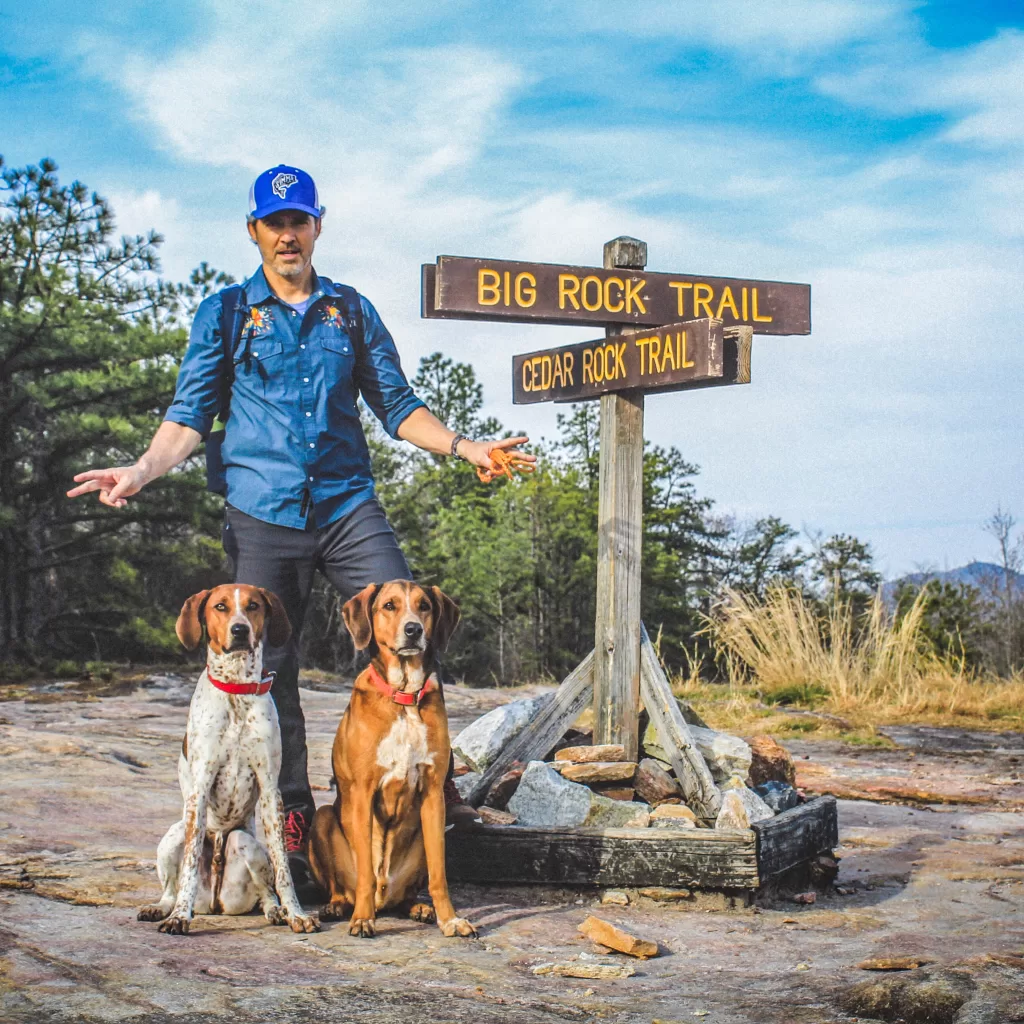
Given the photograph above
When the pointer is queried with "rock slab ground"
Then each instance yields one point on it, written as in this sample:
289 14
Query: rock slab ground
89 787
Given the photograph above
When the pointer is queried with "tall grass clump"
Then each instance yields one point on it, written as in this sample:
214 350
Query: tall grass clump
788 648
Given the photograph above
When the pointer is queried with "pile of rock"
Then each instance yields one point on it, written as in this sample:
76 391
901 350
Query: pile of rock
582 784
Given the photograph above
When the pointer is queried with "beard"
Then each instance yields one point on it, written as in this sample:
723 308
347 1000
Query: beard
291 269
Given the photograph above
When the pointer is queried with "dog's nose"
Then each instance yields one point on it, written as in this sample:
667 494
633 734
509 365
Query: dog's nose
413 630
239 630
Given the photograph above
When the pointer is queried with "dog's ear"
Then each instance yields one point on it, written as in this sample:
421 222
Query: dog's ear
446 617
189 626
358 615
280 630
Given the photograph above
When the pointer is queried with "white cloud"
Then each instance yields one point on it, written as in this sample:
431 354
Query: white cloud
883 417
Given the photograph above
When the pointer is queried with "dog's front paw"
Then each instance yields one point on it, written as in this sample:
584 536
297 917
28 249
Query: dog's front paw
363 927
303 923
275 914
154 912
337 910
422 912
176 924
457 926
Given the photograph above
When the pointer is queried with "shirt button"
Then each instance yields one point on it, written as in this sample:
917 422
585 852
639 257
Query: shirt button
302 346
310 479
306 380
309 414
311 444
256 354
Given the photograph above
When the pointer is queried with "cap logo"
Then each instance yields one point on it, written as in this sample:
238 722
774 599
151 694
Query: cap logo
281 183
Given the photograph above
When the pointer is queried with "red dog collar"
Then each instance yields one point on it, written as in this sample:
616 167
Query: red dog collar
400 696
244 688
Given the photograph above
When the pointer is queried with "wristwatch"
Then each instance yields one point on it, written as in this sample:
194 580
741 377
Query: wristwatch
455 444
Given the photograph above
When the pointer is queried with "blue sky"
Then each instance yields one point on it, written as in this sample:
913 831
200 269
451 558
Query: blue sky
873 148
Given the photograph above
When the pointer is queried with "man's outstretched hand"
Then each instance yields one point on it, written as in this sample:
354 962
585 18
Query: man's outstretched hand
479 454
114 485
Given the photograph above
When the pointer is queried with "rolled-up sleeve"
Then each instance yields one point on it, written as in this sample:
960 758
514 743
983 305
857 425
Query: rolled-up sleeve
379 375
197 393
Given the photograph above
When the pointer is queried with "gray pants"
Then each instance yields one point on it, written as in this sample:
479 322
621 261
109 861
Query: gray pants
358 549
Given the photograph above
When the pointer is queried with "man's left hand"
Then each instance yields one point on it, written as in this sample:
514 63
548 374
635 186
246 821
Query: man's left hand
479 452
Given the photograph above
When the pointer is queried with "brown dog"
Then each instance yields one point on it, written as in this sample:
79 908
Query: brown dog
385 832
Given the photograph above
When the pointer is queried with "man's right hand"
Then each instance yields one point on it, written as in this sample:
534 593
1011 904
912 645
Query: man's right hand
114 485
171 443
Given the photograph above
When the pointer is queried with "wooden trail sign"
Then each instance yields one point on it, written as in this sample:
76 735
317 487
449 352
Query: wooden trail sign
469 288
678 357
663 332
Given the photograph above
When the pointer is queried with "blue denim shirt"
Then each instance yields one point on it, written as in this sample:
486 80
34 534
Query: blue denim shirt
293 439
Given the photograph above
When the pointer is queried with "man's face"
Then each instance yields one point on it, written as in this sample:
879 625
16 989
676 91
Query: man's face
286 241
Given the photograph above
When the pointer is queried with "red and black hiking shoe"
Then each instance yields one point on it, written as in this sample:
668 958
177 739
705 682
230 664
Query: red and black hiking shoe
457 813
296 832
296 845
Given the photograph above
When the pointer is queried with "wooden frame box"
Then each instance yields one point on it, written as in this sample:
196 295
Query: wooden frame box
697 858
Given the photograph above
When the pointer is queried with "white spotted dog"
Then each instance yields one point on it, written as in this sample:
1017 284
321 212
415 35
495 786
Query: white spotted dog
211 862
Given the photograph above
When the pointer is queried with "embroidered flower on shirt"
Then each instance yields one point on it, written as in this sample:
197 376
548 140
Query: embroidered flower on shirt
259 321
333 316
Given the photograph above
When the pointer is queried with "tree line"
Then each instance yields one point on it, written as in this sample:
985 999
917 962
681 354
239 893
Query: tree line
90 342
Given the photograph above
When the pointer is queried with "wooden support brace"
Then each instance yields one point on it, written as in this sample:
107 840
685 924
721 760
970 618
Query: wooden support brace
574 694
674 734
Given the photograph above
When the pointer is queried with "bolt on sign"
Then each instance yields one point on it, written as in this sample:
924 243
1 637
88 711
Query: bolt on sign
677 357
459 287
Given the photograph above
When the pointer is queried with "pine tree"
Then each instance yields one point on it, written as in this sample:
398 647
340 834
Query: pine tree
89 345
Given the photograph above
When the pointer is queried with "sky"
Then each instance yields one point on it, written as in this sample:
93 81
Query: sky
872 148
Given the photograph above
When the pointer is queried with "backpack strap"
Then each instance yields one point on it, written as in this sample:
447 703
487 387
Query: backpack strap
353 314
232 317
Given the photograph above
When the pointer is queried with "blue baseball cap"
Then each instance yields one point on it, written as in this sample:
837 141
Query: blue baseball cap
283 188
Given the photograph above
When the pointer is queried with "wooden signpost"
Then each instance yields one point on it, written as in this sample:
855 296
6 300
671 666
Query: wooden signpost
463 288
678 357
663 332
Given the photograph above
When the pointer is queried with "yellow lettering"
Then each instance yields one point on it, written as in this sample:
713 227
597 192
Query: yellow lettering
588 366
642 343
668 353
633 295
753 305
535 371
744 303
727 300
556 377
684 363
545 373
611 371
567 361
526 297
620 364
487 282
655 354
507 282
527 376
701 299
598 377
596 304
617 308
568 286
680 287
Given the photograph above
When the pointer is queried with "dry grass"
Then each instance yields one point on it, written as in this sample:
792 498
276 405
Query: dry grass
791 672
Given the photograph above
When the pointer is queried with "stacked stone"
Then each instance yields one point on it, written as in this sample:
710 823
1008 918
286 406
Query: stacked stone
587 785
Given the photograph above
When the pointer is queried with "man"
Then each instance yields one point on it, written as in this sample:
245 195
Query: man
300 494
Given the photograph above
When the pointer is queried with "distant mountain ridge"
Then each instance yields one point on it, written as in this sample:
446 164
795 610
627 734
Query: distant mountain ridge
982 575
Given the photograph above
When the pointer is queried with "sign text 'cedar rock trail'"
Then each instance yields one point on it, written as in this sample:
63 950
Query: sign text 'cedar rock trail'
459 287
677 357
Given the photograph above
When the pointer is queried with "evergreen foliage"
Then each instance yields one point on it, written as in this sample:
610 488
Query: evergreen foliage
90 342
